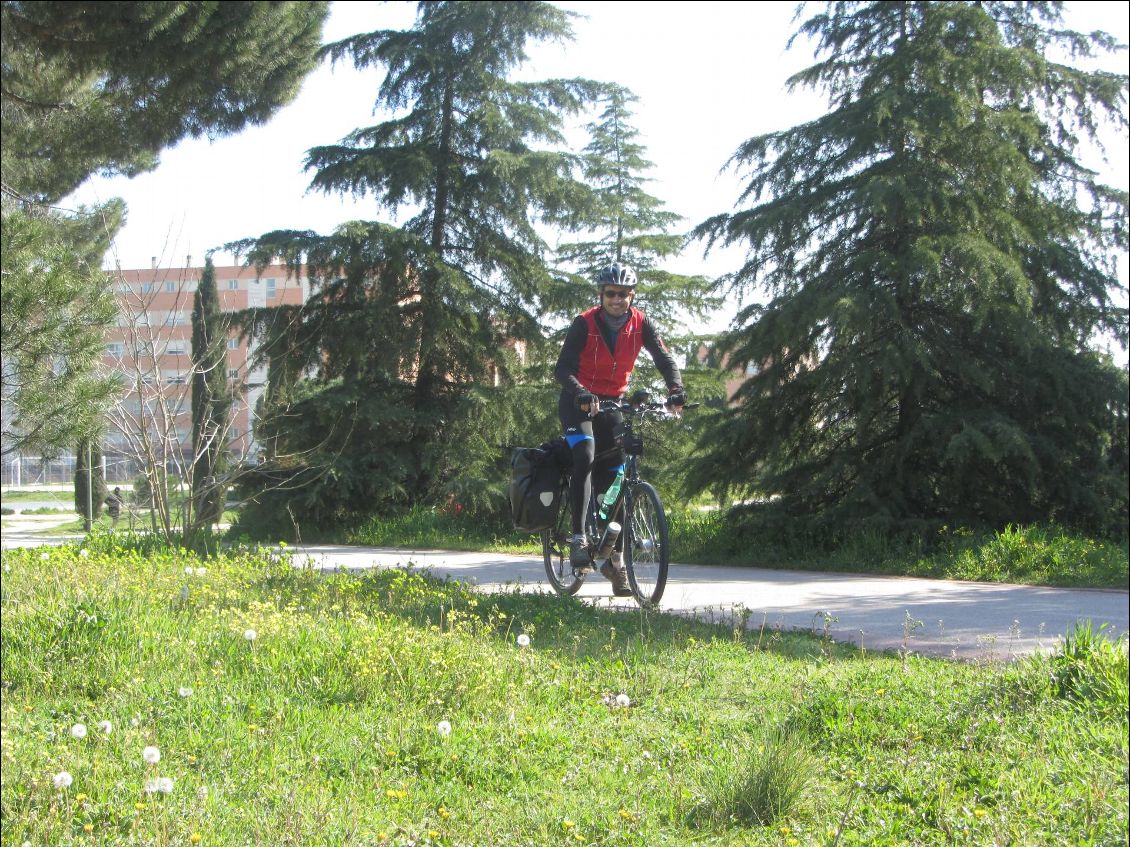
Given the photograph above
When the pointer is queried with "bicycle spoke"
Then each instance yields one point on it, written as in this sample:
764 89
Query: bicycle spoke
555 551
646 548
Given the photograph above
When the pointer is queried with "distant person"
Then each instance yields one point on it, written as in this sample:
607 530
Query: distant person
114 506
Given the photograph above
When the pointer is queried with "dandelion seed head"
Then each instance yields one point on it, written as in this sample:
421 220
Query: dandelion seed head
63 779
250 635
184 691
523 640
45 556
165 784
106 727
201 571
151 755
623 701
84 553
189 571
444 728
79 730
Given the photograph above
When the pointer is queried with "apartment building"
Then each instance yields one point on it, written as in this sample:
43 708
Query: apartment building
151 351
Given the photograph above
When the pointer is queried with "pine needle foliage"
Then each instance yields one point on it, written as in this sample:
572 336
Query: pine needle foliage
624 223
415 330
938 264
104 87
57 307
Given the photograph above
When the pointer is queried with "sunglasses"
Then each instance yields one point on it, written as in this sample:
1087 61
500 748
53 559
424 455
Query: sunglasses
617 295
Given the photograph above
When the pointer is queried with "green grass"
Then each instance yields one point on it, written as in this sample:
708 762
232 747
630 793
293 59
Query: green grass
325 729
424 528
65 498
141 524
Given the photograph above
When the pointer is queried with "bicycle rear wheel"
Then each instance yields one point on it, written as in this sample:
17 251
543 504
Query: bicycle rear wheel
555 550
646 549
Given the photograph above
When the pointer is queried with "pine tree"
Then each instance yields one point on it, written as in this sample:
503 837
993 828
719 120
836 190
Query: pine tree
939 263
626 224
104 87
211 398
57 306
410 321
629 225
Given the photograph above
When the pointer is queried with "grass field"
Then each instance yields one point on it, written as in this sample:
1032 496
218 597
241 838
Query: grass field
162 699
23 495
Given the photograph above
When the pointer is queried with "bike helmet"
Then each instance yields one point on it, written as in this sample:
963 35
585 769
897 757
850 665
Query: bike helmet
617 274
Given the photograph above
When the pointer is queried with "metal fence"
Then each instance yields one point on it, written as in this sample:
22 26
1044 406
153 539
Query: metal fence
24 471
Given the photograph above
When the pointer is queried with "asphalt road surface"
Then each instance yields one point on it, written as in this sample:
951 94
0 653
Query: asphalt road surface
967 620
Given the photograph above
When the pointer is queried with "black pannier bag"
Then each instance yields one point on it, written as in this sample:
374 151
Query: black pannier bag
535 484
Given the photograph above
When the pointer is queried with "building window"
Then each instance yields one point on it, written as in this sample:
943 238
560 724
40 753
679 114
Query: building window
178 318
177 378
233 343
270 288
176 348
233 373
233 285
116 349
146 288
170 286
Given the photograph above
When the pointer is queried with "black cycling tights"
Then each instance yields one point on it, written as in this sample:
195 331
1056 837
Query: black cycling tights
588 437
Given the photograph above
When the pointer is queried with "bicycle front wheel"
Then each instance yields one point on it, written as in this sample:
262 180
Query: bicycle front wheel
646 549
555 551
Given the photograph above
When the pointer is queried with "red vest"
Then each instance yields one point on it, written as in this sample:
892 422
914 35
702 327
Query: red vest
602 372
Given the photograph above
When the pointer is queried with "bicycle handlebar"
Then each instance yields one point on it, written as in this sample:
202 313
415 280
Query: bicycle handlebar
640 408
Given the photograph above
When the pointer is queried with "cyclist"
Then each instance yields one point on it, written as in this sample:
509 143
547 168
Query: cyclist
598 356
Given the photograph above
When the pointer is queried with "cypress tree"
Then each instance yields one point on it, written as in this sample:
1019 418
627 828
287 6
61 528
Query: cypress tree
938 263
211 398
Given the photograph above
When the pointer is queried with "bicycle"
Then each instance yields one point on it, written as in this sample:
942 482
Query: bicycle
637 509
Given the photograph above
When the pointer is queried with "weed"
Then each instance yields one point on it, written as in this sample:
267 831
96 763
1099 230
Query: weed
759 784
1092 669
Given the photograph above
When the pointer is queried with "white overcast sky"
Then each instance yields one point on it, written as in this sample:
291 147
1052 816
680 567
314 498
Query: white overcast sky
708 76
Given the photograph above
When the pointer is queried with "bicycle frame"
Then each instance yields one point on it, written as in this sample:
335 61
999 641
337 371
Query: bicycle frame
638 509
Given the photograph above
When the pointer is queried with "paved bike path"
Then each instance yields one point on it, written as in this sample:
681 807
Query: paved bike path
969 620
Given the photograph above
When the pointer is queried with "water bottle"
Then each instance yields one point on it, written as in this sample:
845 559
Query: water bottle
608 541
609 499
